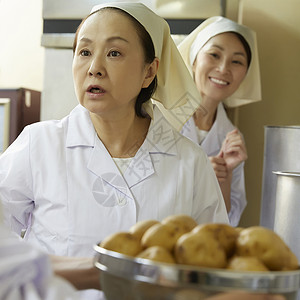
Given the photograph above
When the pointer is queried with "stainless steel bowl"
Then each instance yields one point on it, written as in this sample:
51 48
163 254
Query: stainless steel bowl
127 278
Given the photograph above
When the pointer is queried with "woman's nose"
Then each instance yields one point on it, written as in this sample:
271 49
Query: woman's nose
96 68
223 66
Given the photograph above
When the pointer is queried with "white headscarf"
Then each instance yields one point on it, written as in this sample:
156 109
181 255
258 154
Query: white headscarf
176 94
250 89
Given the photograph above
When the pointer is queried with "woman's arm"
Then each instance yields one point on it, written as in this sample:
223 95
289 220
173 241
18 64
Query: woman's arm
224 177
231 155
79 271
225 186
245 296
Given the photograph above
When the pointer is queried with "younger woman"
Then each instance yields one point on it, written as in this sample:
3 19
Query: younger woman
222 58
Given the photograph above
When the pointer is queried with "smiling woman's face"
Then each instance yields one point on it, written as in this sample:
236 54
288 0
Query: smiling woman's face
220 66
109 66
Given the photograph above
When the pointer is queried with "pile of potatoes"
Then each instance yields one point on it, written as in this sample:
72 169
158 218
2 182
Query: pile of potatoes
179 239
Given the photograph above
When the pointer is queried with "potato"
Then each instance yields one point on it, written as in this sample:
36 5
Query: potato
239 229
184 223
157 253
267 246
225 234
246 263
200 249
163 235
122 242
141 227
178 239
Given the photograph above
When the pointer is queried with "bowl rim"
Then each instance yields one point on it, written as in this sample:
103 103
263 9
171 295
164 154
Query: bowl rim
165 274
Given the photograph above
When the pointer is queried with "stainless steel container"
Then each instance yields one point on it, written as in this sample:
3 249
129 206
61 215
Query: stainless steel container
281 152
126 278
287 220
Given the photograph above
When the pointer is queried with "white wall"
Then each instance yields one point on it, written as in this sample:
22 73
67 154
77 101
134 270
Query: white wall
21 54
58 97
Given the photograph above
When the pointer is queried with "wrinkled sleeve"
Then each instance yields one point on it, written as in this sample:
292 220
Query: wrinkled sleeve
209 205
16 183
238 195
26 274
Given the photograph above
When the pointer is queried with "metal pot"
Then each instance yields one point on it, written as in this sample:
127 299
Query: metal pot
281 152
287 220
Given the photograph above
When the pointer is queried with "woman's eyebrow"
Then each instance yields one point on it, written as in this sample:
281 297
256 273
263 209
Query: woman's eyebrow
239 53
86 40
110 39
221 48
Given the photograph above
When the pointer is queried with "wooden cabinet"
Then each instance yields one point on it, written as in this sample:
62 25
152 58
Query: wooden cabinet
24 109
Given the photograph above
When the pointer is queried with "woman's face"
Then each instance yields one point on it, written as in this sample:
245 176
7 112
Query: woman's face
220 66
109 67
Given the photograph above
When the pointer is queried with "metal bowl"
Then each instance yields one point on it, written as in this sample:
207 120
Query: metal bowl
126 278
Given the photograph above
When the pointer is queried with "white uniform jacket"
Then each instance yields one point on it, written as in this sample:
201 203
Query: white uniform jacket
59 182
212 145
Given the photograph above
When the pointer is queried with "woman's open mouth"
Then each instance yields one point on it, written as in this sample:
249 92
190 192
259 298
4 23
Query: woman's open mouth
95 90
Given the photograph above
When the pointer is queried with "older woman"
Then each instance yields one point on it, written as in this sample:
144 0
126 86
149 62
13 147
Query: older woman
114 160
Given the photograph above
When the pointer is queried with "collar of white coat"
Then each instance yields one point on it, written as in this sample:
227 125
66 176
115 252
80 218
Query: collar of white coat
214 139
160 137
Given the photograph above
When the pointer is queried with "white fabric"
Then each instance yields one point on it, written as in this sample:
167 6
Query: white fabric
176 94
250 89
58 180
25 273
122 163
212 146
201 135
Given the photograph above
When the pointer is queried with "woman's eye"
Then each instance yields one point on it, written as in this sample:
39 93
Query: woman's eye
85 53
214 55
237 62
114 53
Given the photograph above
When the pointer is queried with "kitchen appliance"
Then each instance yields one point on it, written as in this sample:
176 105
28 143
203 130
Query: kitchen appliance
281 153
20 107
126 278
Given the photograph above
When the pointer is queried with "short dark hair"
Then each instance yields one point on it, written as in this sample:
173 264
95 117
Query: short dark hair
246 47
149 52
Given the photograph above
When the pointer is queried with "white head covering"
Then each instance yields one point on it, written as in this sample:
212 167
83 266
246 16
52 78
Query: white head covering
175 87
250 89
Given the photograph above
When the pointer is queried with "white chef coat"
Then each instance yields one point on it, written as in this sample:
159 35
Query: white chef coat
212 144
58 181
25 273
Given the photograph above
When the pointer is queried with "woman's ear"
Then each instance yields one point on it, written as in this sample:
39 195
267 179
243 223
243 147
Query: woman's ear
151 72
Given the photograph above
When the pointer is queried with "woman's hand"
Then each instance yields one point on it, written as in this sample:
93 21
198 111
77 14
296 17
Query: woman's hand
233 150
220 168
